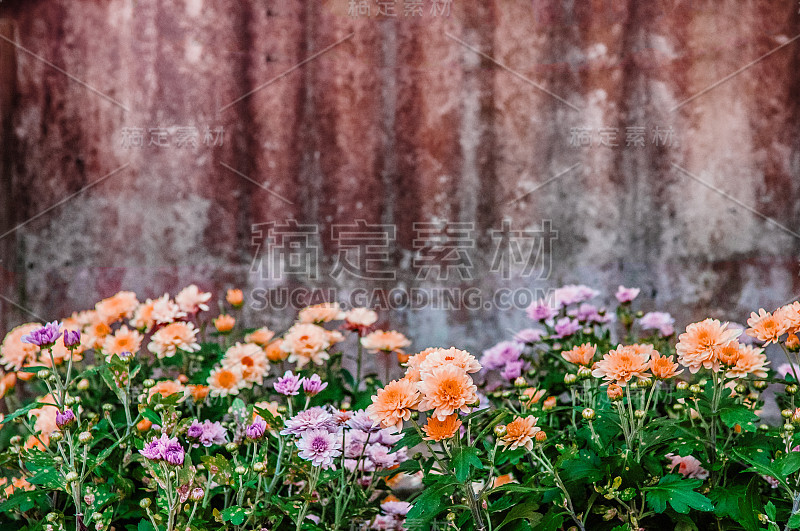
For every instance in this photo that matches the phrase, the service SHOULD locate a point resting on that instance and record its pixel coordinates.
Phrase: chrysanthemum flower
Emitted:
(143, 316)
(520, 433)
(226, 381)
(437, 430)
(700, 345)
(393, 404)
(306, 343)
(360, 318)
(275, 352)
(224, 323)
(321, 313)
(199, 392)
(580, 355)
(751, 361)
(767, 327)
(661, 321)
(192, 300)
(625, 295)
(320, 447)
(445, 390)
(791, 316)
(260, 337)
(449, 356)
(314, 418)
(688, 466)
(166, 388)
(165, 342)
(14, 354)
(123, 340)
(385, 341)
(250, 359)
(622, 364)
(235, 297)
(117, 307)
(663, 367)
(166, 311)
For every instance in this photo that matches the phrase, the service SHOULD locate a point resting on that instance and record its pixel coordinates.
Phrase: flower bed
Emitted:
(151, 415)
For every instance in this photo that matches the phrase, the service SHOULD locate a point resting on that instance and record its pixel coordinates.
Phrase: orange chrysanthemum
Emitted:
(385, 341)
(250, 358)
(235, 297)
(321, 313)
(751, 361)
(119, 306)
(580, 355)
(663, 367)
(274, 351)
(199, 392)
(123, 340)
(700, 345)
(224, 323)
(445, 390)
(767, 327)
(14, 354)
(622, 364)
(533, 395)
(224, 382)
(261, 337)
(305, 342)
(173, 337)
(439, 357)
(95, 333)
(437, 430)
(143, 316)
(791, 316)
(166, 388)
(393, 404)
(520, 433)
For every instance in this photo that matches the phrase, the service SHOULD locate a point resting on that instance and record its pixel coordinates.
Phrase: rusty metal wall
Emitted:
(329, 117)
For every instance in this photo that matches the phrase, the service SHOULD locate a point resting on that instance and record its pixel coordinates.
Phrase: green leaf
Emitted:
(21, 411)
(145, 525)
(787, 465)
(726, 500)
(585, 466)
(428, 504)
(465, 457)
(794, 521)
(740, 415)
(234, 515)
(679, 493)
(749, 506)
(525, 511)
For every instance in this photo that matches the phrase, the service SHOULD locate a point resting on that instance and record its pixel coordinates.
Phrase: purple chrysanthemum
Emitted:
(315, 418)
(398, 508)
(213, 433)
(173, 452)
(513, 369)
(288, 384)
(529, 335)
(661, 321)
(195, 430)
(46, 335)
(72, 338)
(573, 294)
(320, 447)
(566, 327)
(541, 310)
(257, 429)
(154, 450)
(500, 354)
(625, 295)
(314, 385)
(361, 421)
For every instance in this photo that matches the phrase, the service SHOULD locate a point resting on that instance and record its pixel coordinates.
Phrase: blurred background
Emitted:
(455, 150)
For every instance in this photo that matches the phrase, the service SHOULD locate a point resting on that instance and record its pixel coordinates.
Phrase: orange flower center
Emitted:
(226, 379)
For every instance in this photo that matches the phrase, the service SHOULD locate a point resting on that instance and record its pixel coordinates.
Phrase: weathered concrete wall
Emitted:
(401, 122)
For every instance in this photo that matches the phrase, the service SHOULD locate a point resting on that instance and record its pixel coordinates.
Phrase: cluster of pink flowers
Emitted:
(206, 433)
(393, 517)
(505, 357)
(164, 449)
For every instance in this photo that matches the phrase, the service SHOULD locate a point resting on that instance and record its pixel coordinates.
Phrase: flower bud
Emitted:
(506, 394)
(231, 447)
(240, 470)
(645, 382)
(677, 406)
(89, 499)
(570, 379)
(148, 383)
(52, 517)
(588, 414)
(108, 408)
(791, 389)
(614, 392)
(83, 384)
(65, 419)
(740, 388)
(584, 373)
(788, 428)
(760, 384)
(786, 413)
(144, 503)
(417, 456)
(85, 437)
(71, 477)
(540, 437)
(520, 382)
(682, 385)
(763, 427)
(16, 440)
(97, 517)
(346, 406)
(451, 517)
(197, 494)
(258, 467)
(639, 414)
(695, 389)
(56, 436)
(500, 430)
(43, 374)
